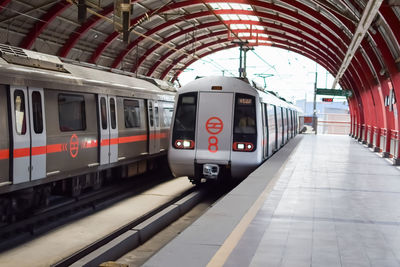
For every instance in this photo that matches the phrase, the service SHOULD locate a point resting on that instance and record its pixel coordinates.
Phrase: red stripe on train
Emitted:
(22, 152)
(4, 154)
(39, 150)
(55, 148)
(129, 139)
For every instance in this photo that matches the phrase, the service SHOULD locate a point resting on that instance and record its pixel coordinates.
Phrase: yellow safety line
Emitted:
(233, 239)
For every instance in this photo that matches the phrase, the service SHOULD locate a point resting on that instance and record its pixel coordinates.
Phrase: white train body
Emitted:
(224, 127)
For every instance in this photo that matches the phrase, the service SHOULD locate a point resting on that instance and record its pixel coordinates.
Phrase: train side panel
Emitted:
(72, 132)
(4, 137)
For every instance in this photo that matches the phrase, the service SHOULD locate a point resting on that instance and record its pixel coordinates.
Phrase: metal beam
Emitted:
(367, 17)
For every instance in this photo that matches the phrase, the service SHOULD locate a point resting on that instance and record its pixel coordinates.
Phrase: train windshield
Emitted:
(185, 118)
(245, 115)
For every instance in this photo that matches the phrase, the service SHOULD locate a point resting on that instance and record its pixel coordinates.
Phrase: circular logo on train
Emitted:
(214, 125)
(74, 146)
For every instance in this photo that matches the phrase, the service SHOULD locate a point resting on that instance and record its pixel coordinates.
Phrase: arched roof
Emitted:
(168, 35)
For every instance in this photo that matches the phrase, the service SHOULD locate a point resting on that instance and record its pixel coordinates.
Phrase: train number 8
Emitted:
(213, 144)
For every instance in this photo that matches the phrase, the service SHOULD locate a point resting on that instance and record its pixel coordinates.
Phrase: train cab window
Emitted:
(157, 116)
(186, 113)
(245, 115)
(103, 111)
(132, 113)
(20, 115)
(113, 114)
(37, 114)
(71, 112)
(185, 121)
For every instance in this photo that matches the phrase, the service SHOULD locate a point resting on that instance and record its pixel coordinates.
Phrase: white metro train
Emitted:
(226, 127)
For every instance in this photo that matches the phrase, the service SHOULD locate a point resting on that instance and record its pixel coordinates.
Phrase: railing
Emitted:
(382, 145)
(394, 142)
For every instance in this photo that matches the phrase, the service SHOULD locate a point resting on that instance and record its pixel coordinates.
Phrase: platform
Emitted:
(332, 203)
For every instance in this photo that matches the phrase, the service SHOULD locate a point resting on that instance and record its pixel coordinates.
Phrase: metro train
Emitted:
(225, 127)
(65, 127)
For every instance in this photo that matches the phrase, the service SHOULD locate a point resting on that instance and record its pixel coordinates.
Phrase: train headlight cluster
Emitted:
(184, 144)
(243, 146)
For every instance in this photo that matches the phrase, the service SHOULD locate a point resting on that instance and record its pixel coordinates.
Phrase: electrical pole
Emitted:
(315, 118)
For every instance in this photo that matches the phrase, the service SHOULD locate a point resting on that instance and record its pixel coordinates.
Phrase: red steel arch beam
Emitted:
(312, 44)
(392, 82)
(77, 34)
(204, 55)
(311, 54)
(45, 20)
(318, 28)
(269, 26)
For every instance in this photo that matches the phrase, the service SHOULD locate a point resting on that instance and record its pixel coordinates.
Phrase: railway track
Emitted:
(63, 209)
(137, 232)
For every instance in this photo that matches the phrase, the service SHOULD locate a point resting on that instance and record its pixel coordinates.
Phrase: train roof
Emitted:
(28, 68)
(232, 84)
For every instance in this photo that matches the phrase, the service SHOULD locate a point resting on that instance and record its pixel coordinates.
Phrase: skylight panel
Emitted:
(238, 26)
(225, 6)
(225, 17)
(233, 17)
(258, 27)
(244, 34)
(215, 6)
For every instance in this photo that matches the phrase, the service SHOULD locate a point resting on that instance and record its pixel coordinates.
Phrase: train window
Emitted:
(113, 114)
(186, 113)
(167, 116)
(157, 116)
(20, 115)
(245, 115)
(71, 112)
(37, 114)
(151, 116)
(132, 113)
(103, 111)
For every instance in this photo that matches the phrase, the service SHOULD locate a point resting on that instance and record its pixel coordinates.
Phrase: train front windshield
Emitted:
(244, 130)
(185, 122)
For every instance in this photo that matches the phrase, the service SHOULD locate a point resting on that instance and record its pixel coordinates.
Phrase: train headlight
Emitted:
(243, 146)
(184, 144)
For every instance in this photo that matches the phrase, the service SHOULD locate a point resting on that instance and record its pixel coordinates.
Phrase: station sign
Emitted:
(334, 92)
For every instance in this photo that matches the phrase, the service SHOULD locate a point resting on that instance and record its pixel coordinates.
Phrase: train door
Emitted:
(108, 129)
(214, 127)
(265, 130)
(283, 114)
(154, 126)
(29, 133)
(4, 138)
(278, 118)
(271, 129)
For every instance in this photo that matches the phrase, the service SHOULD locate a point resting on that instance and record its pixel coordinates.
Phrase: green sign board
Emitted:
(333, 92)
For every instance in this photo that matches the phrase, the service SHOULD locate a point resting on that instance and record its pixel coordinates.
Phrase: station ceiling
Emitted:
(165, 36)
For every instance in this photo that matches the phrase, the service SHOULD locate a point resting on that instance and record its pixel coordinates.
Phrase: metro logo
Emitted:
(214, 126)
(74, 146)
